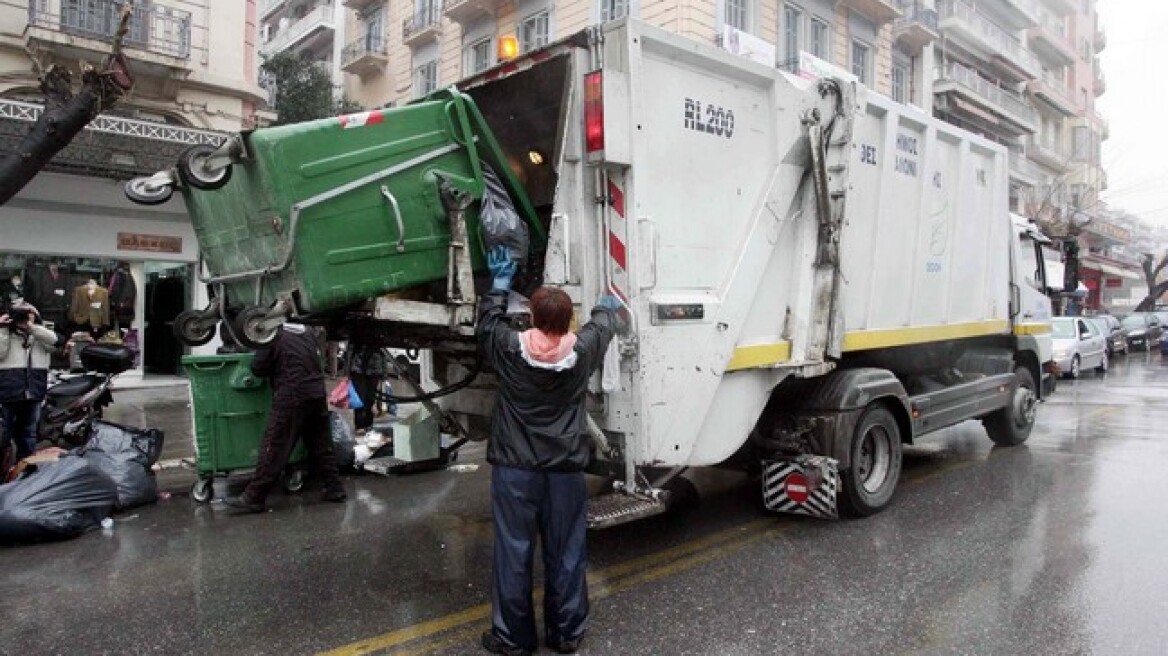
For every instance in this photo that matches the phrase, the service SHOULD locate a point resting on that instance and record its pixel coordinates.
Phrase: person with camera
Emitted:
(25, 348)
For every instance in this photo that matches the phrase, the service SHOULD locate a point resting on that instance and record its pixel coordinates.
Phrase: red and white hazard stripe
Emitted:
(618, 251)
(374, 117)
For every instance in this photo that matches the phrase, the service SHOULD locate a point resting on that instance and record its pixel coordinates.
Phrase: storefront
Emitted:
(94, 263)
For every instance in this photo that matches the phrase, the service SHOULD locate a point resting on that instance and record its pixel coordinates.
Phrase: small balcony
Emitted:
(162, 34)
(1100, 40)
(316, 26)
(917, 27)
(1053, 92)
(269, 7)
(1061, 7)
(1017, 14)
(1023, 170)
(1049, 40)
(424, 26)
(360, 5)
(467, 11)
(365, 56)
(960, 90)
(1100, 85)
(878, 11)
(1049, 154)
(978, 34)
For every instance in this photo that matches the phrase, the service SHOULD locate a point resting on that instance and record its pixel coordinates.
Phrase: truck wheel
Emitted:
(191, 329)
(868, 484)
(1010, 426)
(192, 168)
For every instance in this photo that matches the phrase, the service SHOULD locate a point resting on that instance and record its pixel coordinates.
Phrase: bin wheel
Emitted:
(192, 168)
(294, 481)
(250, 328)
(144, 191)
(192, 329)
(203, 490)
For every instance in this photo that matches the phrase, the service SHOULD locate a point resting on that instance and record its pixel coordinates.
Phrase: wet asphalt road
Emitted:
(1055, 547)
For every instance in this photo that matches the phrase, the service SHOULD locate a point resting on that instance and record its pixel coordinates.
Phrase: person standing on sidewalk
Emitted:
(25, 349)
(367, 369)
(538, 449)
(299, 411)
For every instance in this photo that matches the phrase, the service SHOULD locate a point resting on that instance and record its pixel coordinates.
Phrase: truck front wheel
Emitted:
(868, 484)
(1011, 425)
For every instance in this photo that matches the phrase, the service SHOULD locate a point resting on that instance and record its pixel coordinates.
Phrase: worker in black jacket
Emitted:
(299, 411)
(539, 447)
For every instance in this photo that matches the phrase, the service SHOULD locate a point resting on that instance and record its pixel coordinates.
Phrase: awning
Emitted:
(1114, 271)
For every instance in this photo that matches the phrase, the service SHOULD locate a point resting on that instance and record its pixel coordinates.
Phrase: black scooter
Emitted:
(74, 402)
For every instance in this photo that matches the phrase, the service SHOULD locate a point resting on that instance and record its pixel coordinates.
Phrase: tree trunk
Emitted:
(1155, 289)
(66, 114)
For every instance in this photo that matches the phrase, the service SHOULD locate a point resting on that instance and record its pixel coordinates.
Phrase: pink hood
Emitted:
(548, 351)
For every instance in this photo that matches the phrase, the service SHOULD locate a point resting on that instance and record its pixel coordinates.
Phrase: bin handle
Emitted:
(233, 415)
(208, 366)
(401, 224)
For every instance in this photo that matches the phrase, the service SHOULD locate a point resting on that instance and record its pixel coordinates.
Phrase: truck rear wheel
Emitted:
(1010, 426)
(870, 480)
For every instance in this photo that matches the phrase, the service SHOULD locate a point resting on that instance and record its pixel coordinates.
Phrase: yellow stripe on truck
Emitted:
(1032, 329)
(769, 355)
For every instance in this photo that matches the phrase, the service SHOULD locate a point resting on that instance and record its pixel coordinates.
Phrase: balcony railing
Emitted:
(1023, 169)
(366, 54)
(269, 6)
(988, 91)
(160, 30)
(996, 40)
(917, 25)
(320, 18)
(424, 23)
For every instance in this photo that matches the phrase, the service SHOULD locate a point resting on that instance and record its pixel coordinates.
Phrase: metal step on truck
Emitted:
(815, 275)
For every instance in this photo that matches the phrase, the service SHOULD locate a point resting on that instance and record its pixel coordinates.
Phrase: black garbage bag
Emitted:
(125, 454)
(501, 224)
(343, 441)
(58, 501)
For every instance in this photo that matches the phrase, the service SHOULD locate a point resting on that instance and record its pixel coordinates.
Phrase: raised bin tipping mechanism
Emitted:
(317, 216)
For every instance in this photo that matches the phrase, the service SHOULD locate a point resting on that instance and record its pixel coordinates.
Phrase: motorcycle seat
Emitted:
(75, 386)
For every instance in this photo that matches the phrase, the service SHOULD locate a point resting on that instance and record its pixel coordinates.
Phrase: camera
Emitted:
(19, 316)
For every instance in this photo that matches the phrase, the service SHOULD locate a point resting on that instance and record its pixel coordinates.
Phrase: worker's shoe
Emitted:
(241, 506)
(496, 645)
(334, 495)
(564, 646)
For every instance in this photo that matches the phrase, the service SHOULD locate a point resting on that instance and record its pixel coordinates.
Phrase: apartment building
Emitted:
(195, 80)
(313, 28)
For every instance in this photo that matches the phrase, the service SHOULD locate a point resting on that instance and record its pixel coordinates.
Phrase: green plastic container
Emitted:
(325, 197)
(230, 408)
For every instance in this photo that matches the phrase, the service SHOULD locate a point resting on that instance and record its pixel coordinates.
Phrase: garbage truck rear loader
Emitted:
(811, 269)
(814, 274)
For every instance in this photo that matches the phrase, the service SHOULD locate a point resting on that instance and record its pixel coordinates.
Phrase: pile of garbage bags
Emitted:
(63, 494)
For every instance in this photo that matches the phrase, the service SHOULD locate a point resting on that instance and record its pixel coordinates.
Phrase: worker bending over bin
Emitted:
(292, 362)
(539, 447)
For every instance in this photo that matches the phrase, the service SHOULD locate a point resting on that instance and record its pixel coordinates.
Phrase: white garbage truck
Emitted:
(814, 275)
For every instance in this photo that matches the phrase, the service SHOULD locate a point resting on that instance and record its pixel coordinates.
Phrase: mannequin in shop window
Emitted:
(122, 294)
(90, 310)
(49, 291)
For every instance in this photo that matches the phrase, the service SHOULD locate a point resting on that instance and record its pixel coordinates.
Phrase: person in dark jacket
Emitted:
(25, 349)
(367, 369)
(538, 449)
(299, 411)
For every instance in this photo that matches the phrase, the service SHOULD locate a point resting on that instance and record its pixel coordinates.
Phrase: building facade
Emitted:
(312, 28)
(195, 69)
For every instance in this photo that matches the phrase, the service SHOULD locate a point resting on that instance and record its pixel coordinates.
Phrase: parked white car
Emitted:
(1078, 344)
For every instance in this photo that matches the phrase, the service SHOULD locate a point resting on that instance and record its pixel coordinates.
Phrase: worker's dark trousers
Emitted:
(307, 421)
(554, 506)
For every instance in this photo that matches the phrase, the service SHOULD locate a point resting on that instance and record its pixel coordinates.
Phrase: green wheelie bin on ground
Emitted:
(328, 213)
(229, 407)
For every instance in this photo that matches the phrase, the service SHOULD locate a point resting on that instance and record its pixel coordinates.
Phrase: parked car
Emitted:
(1114, 331)
(1143, 330)
(1078, 344)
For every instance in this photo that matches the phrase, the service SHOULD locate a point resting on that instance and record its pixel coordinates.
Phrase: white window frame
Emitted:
(861, 69)
(792, 35)
(745, 8)
(527, 45)
(373, 29)
(425, 78)
(823, 53)
(903, 84)
(468, 63)
(610, 10)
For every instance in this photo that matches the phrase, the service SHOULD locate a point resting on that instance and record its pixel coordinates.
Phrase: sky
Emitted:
(1136, 107)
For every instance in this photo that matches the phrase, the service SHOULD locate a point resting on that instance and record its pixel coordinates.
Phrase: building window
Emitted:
(861, 61)
(738, 14)
(819, 39)
(374, 28)
(900, 83)
(613, 9)
(791, 28)
(534, 31)
(478, 56)
(425, 78)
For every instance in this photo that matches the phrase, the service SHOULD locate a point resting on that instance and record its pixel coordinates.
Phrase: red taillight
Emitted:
(593, 112)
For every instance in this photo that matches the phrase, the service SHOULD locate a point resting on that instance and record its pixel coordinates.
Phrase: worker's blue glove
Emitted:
(609, 302)
(502, 267)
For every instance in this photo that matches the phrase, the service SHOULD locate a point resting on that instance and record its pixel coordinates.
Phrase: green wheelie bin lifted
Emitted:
(316, 216)
(229, 407)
